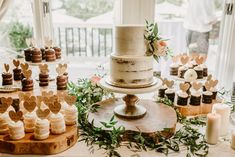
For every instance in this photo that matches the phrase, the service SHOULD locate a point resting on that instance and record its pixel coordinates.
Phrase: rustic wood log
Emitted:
(28, 145)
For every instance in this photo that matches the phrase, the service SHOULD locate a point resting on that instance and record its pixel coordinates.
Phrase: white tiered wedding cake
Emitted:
(129, 65)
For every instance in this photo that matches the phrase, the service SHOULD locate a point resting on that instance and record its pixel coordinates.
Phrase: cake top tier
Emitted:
(129, 40)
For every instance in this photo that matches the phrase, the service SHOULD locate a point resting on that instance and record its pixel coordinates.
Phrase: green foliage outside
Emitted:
(18, 33)
(85, 9)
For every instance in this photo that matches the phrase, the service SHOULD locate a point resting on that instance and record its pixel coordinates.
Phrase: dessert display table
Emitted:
(53, 145)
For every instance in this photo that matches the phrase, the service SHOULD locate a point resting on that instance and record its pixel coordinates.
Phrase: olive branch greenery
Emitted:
(110, 138)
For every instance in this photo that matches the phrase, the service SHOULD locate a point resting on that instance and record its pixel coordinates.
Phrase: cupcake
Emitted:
(57, 123)
(205, 70)
(199, 72)
(174, 67)
(207, 97)
(42, 129)
(71, 115)
(214, 93)
(182, 98)
(29, 121)
(28, 54)
(4, 120)
(170, 94)
(182, 71)
(161, 91)
(195, 98)
(16, 130)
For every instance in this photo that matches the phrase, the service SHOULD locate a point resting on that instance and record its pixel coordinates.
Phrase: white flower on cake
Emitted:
(190, 75)
(156, 46)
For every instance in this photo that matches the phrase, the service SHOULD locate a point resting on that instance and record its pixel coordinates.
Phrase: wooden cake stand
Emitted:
(131, 108)
(135, 115)
(28, 145)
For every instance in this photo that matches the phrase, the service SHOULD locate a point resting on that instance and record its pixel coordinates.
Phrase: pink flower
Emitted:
(95, 79)
(160, 48)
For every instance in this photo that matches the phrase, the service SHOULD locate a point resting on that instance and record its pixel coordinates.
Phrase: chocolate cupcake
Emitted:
(43, 53)
(205, 70)
(170, 94)
(27, 84)
(57, 52)
(214, 93)
(7, 78)
(182, 71)
(195, 99)
(61, 82)
(199, 72)
(50, 55)
(182, 98)
(43, 79)
(207, 97)
(36, 55)
(28, 54)
(174, 67)
(161, 91)
(17, 74)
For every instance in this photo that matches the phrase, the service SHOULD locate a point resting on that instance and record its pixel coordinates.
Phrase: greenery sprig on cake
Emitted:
(88, 93)
(156, 45)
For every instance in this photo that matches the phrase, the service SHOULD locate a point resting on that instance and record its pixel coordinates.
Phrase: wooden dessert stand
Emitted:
(28, 145)
(135, 115)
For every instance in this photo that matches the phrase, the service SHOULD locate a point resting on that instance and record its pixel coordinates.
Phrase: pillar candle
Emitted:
(212, 128)
(233, 140)
(224, 111)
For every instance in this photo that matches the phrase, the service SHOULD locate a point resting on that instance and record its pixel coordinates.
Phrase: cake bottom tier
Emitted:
(131, 71)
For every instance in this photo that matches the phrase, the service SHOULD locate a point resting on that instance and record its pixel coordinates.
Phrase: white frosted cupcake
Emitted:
(71, 115)
(16, 130)
(42, 129)
(4, 120)
(57, 123)
(29, 121)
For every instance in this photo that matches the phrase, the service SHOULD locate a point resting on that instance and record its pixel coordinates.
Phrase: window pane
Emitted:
(83, 27)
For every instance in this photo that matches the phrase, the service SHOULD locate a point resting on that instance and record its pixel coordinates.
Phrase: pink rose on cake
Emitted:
(161, 48)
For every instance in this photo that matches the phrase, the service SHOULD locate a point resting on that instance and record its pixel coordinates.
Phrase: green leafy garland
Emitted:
(89, 93)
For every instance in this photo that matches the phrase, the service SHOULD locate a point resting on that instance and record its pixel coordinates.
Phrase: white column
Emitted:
(225, 64)
(42, 21)
(134, 11)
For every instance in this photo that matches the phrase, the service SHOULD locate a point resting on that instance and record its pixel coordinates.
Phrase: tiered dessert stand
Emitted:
(135, 114)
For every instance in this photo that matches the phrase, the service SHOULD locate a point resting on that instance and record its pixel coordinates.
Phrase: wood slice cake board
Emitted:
(157, 118)
(190, 110)
(53, 145)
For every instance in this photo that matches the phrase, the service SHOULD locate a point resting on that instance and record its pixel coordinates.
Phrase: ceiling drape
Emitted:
(4, 5)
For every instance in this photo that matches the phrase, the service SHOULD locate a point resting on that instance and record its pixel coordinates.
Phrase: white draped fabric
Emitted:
(225, 64)
(42, 21)
(4, 4)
